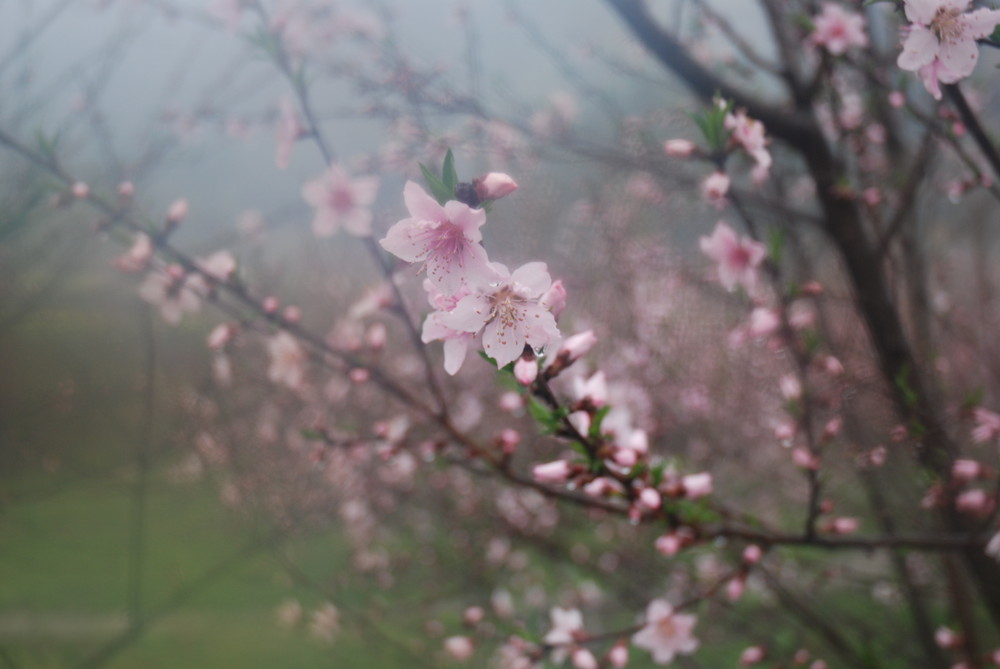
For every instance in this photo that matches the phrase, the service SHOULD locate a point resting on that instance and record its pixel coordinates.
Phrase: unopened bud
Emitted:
(494, 186)
(679, 148)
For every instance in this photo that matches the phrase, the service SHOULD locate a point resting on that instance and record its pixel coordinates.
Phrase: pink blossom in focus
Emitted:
(738, 259)
(508, 313)
(287, 361)
(838, 30)
(941, 42)
(446, 239)
(340, 201)
(666, 633)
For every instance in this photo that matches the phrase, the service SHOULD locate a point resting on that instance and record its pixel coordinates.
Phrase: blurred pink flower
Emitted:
(987, 425)
(445, 238)
(666, 633)
(288, 131)
(838, 30)
(287, 361)
(714, 188)
(738, 259)
(174, 292)
(341, 201)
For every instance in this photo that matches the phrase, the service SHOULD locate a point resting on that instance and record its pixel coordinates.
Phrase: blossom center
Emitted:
(947, 25)
(341, 199)
(666, 626)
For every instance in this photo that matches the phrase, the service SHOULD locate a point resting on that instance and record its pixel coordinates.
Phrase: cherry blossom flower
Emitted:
(666, 633)
(566, 625)
(749, 134)
(987, 425)
(507, 311)
(838, 30)
(456, 342)
(715, 187)
(459, 647)
(341, 201)
(446, 239)
(941, 42)
(174, 291)
(287, 361)
(325, 622)
(137, 257)
(738, 259)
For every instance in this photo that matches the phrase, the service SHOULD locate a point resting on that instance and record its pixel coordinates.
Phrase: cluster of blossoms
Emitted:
(474, 299)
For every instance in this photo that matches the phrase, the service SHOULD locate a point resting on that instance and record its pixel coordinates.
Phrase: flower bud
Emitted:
(697, 485)
(494, 186)
(679, 148)
(177, 212)
(557, 471)
(752, 655)
(554, 299)
(526, 370)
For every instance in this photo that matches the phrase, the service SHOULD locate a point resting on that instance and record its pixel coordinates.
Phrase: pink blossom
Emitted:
(593, 389)
(177, 211)
(220, 336)
(287, 361)
(752, 655)
(669, 544)
(507, 312)
(749, 134)
(697, 485)
(288, 131)
(460, 648)
(494, 186)
(557, 471)
(580, 420)
(987, 425)
(576, 346)
(715, 187)
(341, 201)
(567, 624)
(993, 548)
(526, 370)
(174, 292)
(752, 554)
(843, 525)
(554, 299)
(618, 656)
(735, 588)
(838, 30)
(137, 257)
(666, 633)
(220, 265)
(941, 43)
(445, 238)
(650, 499)
(679, 148)
(763, 322)
(80, 190)
(975, 501)
(738, 259)
(965, 471)
(126, 189)
(584, 659)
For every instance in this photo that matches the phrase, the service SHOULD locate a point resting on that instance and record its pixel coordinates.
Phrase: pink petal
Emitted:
(534, 276)
(959, 58)
(467, 219)
(919, 49)
(420, 204)
(454, 353)
(405, 239)
(921, 11)
(469, 315)
(504, 345)
(980, 23)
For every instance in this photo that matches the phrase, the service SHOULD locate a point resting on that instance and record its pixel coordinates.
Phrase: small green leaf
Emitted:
(974, 398)
(438, 188)
(995, 37)
(595, 423)
(775, 244)
(448, 173)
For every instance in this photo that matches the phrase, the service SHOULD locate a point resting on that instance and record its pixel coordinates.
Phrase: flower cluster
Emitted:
(474, 298)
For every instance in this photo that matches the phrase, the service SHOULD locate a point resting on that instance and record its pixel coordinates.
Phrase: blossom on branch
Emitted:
(738, 259)
(941, 41)
(340, 201)
(666, 633)
(837, 29)
(446, 239)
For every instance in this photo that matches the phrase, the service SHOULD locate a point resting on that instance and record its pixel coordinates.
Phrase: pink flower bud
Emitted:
(669, 544)
(577, 346)
(293, 314)
(650, 498)
(763, 322)
(735, 588)
(580, 420)
(270, 304)
(946, 638)
(679, 148)
(126, 189)
(791, 389)
(584, 659)
(508, 439)
(178, 211)
(359, 375)
(752, 554)
(832, 428)
(804, 459)
(897, 99)
(554, 299)
(80, 190)
(697, 485)
(473, 615)
(510, 402)
(526, 370)
(715, 187)
(220, 336)
(801, 656)
(459, 647)
(618, 656)
(843, 525)
(494, 186)
(752, 655)
(557, 471)
(818, 664)
(976, 501)
(965, 471)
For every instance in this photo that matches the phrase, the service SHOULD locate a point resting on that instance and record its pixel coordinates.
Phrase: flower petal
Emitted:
(919, 49)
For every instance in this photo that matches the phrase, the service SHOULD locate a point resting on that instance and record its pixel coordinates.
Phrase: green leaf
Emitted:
(995, 37)
(974, 398)
(311, 434)
(595, 423)
(904, 386)
(775, 244)
(448, 173)
(437, 187)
